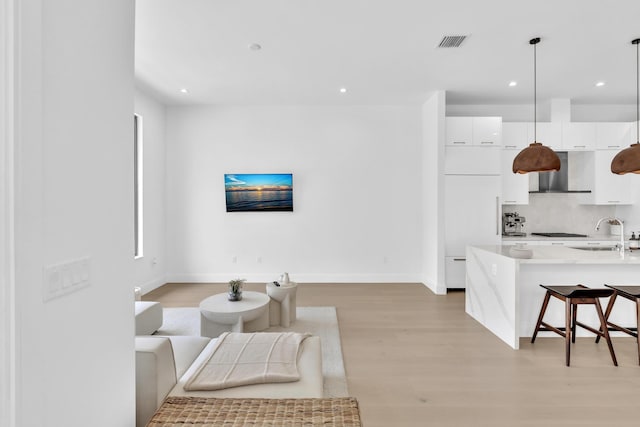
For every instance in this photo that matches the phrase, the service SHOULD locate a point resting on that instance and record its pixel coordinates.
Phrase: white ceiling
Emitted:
(384, 51)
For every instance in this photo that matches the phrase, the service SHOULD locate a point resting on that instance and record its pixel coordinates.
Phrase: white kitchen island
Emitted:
(503, 293)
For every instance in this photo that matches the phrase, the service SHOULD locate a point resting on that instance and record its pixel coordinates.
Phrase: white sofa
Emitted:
(163, 365)
(148, 317)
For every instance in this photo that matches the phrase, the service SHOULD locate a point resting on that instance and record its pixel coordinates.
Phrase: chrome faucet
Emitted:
(619, 221)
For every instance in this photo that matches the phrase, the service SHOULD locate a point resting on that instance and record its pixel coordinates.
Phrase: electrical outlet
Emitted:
(494, 269)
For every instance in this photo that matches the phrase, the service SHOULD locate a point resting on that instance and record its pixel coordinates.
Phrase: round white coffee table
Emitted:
(218, 314)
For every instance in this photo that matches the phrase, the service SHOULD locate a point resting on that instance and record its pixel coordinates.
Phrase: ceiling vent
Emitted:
(451, 41)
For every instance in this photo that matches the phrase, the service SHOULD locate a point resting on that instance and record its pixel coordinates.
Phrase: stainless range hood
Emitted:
(557, 181)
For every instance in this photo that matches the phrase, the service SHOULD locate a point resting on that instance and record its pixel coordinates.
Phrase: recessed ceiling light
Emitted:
(255, 46)
(184, 90)
(599, 84)
(343, 90)
(512, 84)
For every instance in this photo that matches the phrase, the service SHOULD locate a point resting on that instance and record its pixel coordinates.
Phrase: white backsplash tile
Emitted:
(561, 212)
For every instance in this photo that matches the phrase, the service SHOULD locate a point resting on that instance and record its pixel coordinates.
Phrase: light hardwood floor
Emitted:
(416, 359)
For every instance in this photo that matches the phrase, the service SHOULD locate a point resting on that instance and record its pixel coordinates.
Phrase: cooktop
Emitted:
(559, 234)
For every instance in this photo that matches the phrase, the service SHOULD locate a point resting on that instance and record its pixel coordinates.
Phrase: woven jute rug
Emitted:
(201, 411)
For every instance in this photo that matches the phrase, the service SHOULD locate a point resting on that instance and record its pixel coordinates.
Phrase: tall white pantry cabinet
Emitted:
(472, 186)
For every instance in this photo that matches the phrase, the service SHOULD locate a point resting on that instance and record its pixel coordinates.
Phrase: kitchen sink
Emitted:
(595, 248)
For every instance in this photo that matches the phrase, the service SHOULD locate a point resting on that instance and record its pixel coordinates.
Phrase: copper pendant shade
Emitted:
(536, 157)
(628, 160)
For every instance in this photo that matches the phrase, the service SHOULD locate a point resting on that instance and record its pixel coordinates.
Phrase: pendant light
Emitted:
(628, 160)
(536, 157)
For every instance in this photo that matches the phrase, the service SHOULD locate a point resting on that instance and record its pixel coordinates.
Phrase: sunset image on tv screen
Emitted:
(259, 192)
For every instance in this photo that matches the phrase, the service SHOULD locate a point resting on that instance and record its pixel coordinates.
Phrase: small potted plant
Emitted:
(235, 289)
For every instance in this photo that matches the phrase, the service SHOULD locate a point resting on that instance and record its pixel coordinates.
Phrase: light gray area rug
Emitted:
(320, 321)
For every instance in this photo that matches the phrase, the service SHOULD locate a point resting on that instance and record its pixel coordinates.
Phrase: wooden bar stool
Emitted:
(572, 297)
(631, 293)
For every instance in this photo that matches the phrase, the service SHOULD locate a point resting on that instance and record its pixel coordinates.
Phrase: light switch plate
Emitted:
(65, 278)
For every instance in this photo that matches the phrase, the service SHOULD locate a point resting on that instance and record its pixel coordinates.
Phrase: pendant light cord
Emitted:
(637, 91)
(535, 96)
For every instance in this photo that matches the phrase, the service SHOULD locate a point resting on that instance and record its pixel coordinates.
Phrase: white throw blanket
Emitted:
(249, 358)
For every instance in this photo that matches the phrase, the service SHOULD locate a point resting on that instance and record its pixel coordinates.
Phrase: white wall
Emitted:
(357, 201)
(433, 124)
(150, 269)
(7, 283)
(75, 355)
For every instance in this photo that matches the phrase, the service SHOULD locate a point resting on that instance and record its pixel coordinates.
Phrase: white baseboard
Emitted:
(152, 284)
(297, 277)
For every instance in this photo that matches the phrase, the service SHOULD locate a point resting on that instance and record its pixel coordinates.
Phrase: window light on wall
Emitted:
(137, 187)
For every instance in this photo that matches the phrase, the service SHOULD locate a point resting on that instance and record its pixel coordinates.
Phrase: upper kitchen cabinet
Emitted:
(578, 136)
(606, 187)
(547, 133)
(459, 131)
(478, 131)
(515, 136)
(487, 131)
(614, 136)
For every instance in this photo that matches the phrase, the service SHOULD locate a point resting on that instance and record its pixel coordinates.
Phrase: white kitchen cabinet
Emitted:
(455, 272)
(472, 160)
(510, 242)
(578, 136)
(515, 186)
(569, 243)
(633, 134)
(607, 188)
(487, 131)
(547, 133)
(472, 215)
(614, 136)
(515, 135)
(459, 131)
(479, 131)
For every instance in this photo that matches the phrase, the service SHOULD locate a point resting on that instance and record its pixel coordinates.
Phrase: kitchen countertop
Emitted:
(566, 255)
(600, 238)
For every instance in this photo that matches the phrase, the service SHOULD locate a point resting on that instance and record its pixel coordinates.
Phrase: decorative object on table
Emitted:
(536, 157)
(628, 160)
(284, 279)
(259, 192)
(235, 289)
(519, 251)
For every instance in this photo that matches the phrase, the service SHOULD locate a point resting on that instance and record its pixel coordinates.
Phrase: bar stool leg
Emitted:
(607, 312)
(638, 326)
(547, 295)
(567, 335)
(574, 315)
(605, 330)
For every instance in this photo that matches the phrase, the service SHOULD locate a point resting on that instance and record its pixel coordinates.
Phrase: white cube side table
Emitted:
(218, 314)
(282, 308)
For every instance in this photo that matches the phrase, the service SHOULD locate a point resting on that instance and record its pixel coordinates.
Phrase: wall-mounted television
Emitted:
(259, 192)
